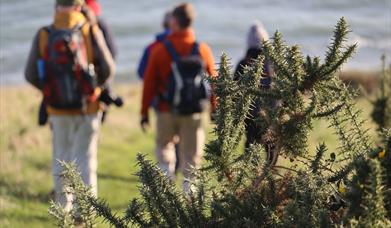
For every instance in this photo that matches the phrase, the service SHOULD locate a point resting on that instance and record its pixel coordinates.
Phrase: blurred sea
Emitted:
(223, 24)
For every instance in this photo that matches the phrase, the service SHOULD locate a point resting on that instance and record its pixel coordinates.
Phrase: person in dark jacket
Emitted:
(158, 39)
(96, 9)
(256, 36)
(92, 11)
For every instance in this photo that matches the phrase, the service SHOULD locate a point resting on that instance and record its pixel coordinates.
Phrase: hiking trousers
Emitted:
(189, 131)
(75, 140)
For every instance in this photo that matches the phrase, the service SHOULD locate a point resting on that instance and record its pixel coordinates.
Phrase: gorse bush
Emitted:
(349, 187)
(381, 113)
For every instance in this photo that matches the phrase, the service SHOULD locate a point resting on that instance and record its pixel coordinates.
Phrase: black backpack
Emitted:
(187, 90)
(68, 81)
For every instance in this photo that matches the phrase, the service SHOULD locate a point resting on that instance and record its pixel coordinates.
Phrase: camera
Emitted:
(109, 98)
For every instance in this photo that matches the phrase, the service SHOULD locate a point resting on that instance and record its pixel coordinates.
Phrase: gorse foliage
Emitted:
(86, 207)
(382, 104)
(247, 189)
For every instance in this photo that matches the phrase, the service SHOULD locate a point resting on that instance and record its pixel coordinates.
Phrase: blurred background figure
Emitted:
(92, 11)
(71, 47)
(95, 8)
(158, 38)
(255, 38)
(256, 35)
(173, 74)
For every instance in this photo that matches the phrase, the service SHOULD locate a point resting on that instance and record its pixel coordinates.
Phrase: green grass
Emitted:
(25, 178)
(25, 149)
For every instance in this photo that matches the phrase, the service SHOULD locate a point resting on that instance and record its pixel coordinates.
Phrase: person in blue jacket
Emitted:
(159, 38)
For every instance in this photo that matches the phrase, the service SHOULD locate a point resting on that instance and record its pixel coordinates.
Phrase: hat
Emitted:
(69, 2)
(256, 35)
(94, 6)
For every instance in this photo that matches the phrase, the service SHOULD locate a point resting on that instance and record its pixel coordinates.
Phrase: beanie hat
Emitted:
(94, 6)
(69, 2)
(256, 35)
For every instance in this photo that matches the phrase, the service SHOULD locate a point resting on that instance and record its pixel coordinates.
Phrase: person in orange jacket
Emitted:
(164, 66)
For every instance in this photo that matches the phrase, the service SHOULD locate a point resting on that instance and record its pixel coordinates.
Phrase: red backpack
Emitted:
(69, 83)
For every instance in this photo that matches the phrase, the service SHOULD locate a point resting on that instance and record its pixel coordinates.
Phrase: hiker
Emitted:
(255, 37)
(62, 65)
(92, 11)
(143, 64)
(174, 75)
(158, 39)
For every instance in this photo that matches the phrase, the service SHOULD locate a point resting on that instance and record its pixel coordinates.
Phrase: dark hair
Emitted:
(253, 53)
(184, 14)
(166, 19)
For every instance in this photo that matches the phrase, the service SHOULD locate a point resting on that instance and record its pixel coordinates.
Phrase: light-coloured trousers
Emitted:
(189, 131)
(75, 139)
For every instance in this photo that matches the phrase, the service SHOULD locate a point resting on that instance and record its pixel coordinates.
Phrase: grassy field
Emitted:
(25, 149)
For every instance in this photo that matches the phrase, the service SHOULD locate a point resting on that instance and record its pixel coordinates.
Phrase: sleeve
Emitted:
(31, 70)
(207, 55)
(143, 63)
(239, 69)
(108, 36)
(104, 62)
(209, 60)
(267, 74)
(268, 68)
(150, 85)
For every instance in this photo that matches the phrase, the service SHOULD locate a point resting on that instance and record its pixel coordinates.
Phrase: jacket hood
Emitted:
(162, 36)
(66, 20)
(186, 35)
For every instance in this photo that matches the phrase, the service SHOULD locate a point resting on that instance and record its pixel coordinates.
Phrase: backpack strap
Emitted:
(196, 48)
(43, 40)
(78, 26)
(48, 28)
(171, 50)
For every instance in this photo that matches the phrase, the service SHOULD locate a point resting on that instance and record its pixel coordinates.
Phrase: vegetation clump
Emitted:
(321, 188)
